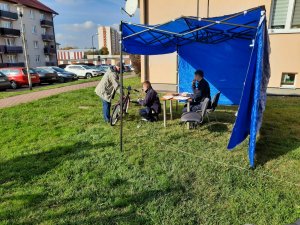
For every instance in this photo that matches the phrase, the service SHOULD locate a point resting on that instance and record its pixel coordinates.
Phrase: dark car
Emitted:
(63, 75)
(63, 65)
(4, 82)
(47, 76)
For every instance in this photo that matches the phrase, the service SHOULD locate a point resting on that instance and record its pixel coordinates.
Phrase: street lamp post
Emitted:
(94, 46)
(20, 10)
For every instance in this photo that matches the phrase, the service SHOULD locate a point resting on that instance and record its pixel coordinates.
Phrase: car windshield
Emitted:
(40, 70)
(31, 71)
(57, 69)
(87, 67)
(2, 74)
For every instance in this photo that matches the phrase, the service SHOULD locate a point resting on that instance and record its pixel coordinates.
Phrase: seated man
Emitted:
(152, 103)
(201, 91)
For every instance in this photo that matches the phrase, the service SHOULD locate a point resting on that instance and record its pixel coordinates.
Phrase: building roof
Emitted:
(34, 4)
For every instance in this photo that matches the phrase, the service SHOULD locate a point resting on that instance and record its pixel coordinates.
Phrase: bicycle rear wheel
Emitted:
(115, 115)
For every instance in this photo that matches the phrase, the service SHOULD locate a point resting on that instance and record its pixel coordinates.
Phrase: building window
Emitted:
(43, 31)
(11, 58)
(4, 6)
(285, 14)
(42, 16)
(34, 29)
(9, 41)
(6, 24)
(37, 58)
(31, 14)
(36, 44)
(47, 58)
(288, 80)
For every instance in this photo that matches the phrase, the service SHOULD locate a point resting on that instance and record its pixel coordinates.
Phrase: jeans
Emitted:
(147, 114)
(106, 110)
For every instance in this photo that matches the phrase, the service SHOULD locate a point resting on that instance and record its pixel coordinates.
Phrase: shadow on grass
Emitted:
(25, 168)
(127, 209)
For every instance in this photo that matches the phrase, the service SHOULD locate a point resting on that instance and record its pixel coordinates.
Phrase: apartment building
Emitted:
(109, 37)
(284, 31)
(38, 30)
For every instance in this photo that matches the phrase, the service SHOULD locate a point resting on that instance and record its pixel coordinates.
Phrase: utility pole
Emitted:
(20, 10)
(93, 45)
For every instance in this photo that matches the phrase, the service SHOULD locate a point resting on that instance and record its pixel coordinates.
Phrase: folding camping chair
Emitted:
(214, 105)
(196, 118)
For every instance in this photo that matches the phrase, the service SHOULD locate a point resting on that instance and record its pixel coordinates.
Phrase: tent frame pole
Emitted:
(121, 86)
(155, 28)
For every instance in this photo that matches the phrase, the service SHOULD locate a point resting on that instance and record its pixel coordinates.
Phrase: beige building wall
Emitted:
(31, 18)
(285, 48)
(109, 37)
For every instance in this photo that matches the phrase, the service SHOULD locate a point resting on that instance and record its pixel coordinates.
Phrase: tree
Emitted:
(104, 51)
(136, 63)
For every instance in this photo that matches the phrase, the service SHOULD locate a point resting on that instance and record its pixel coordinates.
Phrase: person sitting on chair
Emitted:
(152, 103)
(201, 91)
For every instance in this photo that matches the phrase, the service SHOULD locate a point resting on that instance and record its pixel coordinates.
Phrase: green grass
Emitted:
(60, 164)
(25, 90)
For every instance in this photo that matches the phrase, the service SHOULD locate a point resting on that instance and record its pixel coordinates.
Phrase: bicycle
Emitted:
(116, 112)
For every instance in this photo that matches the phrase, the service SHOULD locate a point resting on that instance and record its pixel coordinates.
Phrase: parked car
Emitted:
(17, 76)
(129, 68)
(83, 71)
(63, 66)
(4, 82)
(47, 76)
(63, 76)
(105, 68)
(100, 68)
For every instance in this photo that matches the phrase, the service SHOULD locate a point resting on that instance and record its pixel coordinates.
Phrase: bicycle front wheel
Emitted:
(115, 115)
(126, 105)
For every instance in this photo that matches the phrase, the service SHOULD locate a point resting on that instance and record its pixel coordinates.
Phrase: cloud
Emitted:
(78, 27)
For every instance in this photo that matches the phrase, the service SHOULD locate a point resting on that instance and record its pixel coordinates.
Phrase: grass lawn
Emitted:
(60, 164)
(24, 90)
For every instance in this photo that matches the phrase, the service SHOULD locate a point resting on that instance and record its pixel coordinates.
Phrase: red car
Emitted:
(18, 76)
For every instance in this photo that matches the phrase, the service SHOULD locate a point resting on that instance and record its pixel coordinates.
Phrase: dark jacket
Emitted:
(201, 90)
(151, 100)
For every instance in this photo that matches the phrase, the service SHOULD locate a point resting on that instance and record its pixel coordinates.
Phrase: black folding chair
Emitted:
(214, 105)
(196, 118)
(212, 108)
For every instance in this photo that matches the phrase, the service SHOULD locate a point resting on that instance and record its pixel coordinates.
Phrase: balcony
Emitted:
(9, 32)
(47, 37)
(5, 49)
(20, 64)
(51, 64)
(8, 15)
(49, 51)
(46, 23)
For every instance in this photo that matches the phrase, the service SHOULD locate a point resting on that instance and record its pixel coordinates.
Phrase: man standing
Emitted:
(107, 88)
(201, 91)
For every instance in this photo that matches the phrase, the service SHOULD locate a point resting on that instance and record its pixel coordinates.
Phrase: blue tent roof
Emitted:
(233, 52)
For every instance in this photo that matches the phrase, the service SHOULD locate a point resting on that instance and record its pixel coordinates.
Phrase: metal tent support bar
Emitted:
(213, 22)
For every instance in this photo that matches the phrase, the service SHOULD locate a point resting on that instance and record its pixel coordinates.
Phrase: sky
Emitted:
(78, 19)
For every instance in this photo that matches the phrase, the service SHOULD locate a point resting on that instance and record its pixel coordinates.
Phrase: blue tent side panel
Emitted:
(254, 95)
(224, 65)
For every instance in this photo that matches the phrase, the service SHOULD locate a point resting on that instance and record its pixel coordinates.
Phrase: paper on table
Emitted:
(168, 97)
(180, 98)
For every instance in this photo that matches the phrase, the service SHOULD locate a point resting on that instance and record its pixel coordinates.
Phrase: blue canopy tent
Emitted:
(233, 52)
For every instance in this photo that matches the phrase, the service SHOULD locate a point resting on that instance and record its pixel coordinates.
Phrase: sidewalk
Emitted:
(25, 98)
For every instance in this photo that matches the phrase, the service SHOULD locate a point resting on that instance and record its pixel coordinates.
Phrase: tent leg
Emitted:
(121, 88)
